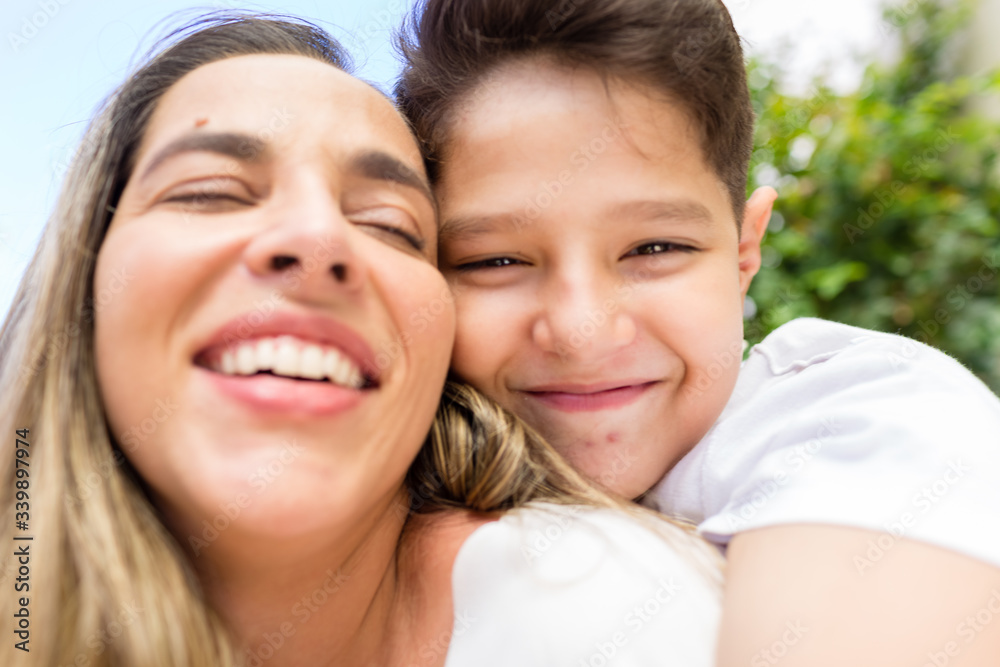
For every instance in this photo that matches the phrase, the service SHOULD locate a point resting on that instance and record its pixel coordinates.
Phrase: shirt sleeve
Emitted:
(881, 433)
(550, 586)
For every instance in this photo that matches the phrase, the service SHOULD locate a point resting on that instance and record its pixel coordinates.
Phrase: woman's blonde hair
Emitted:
(108, 585)
(482, 457)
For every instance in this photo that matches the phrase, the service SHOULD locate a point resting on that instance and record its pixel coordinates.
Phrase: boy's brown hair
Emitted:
(687, 49)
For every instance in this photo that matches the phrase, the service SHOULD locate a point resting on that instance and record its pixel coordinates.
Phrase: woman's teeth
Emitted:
(290, 357)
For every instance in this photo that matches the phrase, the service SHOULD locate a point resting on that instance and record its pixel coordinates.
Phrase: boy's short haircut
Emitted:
(688, 49)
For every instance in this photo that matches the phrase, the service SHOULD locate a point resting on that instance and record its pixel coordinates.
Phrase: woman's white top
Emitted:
(831, 424)
(547, 586)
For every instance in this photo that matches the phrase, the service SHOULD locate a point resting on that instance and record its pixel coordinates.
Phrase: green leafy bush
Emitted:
(890, 198)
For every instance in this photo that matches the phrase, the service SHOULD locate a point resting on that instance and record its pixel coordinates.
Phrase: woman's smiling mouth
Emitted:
(291, 363)
(286, 356)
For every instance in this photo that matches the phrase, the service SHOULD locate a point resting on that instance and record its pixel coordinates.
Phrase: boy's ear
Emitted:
(755, 220)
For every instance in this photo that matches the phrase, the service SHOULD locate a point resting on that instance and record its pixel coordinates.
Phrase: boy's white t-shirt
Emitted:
(551, 585)
(832, 424)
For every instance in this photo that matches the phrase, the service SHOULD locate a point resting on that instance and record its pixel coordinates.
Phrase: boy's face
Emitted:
(597, 268)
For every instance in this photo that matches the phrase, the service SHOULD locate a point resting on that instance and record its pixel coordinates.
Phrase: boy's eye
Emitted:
(659, 248)
(491, 263)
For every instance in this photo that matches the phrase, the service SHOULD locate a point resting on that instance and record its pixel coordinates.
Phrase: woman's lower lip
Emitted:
(599, 400)
(276, 394)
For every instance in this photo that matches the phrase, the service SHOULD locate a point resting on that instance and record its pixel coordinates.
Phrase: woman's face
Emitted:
(276, 348)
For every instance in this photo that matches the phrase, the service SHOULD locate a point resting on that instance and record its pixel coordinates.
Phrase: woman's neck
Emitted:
(369, 593)
(314, 600)
(426, 559)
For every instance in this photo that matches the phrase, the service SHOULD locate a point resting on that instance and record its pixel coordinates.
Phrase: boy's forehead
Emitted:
(524, 94)
(537, 126)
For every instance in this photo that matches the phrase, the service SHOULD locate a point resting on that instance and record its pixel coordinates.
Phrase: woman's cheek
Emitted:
(125, 320)
(482, 334)
(426, 316)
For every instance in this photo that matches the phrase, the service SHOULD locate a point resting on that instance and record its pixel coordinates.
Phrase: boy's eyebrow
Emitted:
(687, 210)
(462, 228)
(243, 147)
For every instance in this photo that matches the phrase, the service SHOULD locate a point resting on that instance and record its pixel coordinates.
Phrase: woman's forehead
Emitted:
(281, 99)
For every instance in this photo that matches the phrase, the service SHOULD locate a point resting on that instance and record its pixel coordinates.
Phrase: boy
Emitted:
(590, 159)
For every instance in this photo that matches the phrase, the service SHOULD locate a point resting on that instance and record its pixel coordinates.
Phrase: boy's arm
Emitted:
(825, 596)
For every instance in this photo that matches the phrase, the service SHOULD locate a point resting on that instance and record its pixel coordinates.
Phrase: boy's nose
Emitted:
(583, 323)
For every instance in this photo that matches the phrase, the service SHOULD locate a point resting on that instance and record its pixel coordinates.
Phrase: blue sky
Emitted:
(60, 58)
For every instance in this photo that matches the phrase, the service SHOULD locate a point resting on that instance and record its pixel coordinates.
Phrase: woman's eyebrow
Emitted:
(378, 165)
(375, 165)
(243, 147)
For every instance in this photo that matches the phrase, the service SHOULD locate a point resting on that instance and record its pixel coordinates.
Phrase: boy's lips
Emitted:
(589, 398)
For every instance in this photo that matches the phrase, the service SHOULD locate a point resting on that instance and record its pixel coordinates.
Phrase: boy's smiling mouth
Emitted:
(588, 398)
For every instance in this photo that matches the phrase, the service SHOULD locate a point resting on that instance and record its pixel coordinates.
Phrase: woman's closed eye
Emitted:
(211, 196)
(392, 225)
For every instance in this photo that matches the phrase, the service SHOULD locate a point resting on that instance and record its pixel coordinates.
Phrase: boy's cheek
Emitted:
(709, 343)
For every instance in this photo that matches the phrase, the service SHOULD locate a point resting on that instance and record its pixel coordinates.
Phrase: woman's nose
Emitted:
(309, 246)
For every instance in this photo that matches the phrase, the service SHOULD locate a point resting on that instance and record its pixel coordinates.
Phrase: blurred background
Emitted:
(889, 209)
(879, 124)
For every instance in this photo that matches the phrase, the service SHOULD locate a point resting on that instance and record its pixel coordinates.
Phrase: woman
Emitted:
(221, 379)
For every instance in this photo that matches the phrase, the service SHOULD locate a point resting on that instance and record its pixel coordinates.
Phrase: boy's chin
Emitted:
(626, 464)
